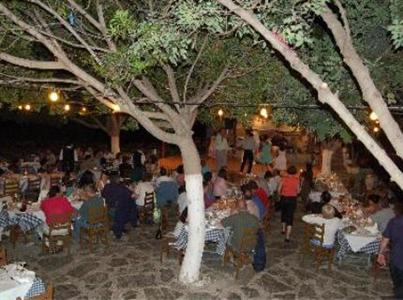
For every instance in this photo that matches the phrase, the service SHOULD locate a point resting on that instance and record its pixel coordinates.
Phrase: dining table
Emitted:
(18, 282)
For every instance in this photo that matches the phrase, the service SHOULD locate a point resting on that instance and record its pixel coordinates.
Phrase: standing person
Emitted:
(288, 190)
(393, 238)
(68, 157)
(249, 147)
(307, 184)
(221, 148)
(265, 152)
(280, 162)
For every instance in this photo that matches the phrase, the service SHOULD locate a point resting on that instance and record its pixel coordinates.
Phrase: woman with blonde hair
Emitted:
(332, 224)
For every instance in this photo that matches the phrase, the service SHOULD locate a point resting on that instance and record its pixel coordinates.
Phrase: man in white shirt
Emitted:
(221, 149)
(143, 187)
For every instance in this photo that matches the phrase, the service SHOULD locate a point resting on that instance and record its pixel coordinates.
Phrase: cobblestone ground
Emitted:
(132, 270)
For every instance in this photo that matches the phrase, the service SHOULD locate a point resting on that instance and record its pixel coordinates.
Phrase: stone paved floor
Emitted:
(132, 270)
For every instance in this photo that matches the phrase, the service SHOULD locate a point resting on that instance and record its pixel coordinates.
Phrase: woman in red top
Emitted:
(288, 189)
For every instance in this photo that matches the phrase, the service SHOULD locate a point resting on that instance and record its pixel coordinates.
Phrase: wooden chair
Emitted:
(34, 187)
(48, 295)
(313, 244)
(54, 181)
(243, 256)
(59, 231)
(3, 256)
(11, 188)
(16, 232)
(166, 247)
(97, 229)
(147, 211)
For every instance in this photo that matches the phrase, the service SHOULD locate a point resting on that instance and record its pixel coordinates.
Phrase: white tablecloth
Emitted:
(17, 287)
(357, 241)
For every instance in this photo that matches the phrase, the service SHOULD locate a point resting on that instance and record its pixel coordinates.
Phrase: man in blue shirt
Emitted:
(393, 237)
(120, 201)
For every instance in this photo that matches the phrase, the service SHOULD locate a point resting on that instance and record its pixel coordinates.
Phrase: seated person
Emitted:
(332, 224)
(121, 205)
(125, 168)
(163, 176)
(166, 191)
(238, 222)
(143, 187)
(250, 205)
(205, 167)
(182, 199)
(380, 215)
(86, 178)
(325, 198)
(91, 200)
(259, 192)
(220, 184)
(207, 196)
(56, 204)
(180, 176)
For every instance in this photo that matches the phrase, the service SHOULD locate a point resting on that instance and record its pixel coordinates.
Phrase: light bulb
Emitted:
(27, 107)
(67, 107)
(264, 113)
(20, 107)
(115, 108)
(220, 112)
(83, 109)
(376, 129)
(373, 116)
(53, 96)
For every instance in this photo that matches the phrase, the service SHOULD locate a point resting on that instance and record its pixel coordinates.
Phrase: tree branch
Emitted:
(52, 12)
(193, 66)
(173, 89)
(207, 92)
(85, 123)
(31, 64)
(343, 15)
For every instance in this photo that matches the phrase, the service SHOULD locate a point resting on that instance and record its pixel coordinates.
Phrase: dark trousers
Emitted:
(247, 158)
(122, 216)
(288, 206)
(397, 278)
(259, 258)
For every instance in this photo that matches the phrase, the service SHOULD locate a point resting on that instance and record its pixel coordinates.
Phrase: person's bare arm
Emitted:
(381, 260)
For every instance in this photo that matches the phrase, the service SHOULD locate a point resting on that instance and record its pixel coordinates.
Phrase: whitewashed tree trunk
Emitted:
(190, 269)
(326, 168)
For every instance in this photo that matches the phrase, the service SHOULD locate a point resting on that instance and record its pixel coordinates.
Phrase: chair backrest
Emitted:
(97, 215)
(314, 232)
(11, 188)
(60, 221)
(149, 200)
(54, 181)
(34, 184)
(3, 256)
(249, 239)
(48, 295)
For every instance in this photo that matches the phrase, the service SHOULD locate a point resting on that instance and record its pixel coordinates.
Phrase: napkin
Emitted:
(19, 273)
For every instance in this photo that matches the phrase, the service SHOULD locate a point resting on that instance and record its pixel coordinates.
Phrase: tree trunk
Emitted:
(113, 130)
(326, 168)
(325, 95)
(115, 143)
(190, 269)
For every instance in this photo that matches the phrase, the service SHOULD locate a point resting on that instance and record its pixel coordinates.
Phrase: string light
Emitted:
(27, 107)
(83, 109)
(376, 129)
(220, 113)
(20, 107)
(67, 107)
(373, 116)
(115, 108)
(54, 96)
(264, 113)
